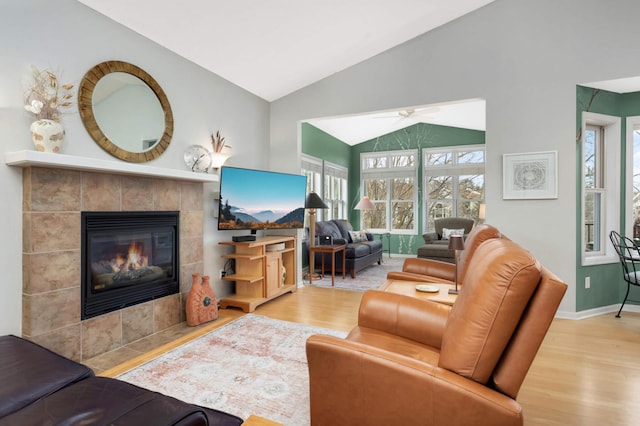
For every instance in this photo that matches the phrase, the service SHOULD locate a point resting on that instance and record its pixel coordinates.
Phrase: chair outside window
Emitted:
(629, 255)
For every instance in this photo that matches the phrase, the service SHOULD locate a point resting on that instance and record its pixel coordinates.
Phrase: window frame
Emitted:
(333, 172)
(455, 170)
(312, 165)
(387, 174)
(633, 124)
(609, 212)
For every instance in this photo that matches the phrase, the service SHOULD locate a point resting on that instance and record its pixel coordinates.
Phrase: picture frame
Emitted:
(530, 175)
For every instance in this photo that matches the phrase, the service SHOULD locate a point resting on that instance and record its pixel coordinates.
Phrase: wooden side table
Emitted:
(408, 288)
(333, 249)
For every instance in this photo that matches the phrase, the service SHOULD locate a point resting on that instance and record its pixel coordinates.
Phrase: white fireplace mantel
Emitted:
(28, 158)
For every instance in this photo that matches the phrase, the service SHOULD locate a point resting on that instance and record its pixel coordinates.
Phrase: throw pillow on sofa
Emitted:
(446, 232)
(358, 236)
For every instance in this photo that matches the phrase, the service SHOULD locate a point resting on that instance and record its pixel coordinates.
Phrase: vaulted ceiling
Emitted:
(272, 48)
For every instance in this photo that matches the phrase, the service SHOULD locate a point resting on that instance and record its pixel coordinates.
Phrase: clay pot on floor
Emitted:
(202, 305)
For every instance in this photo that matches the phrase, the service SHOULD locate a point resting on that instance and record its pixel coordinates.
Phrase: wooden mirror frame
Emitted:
(85, 106)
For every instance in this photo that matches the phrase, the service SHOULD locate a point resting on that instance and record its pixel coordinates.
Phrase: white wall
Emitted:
(70, 38)
(525, 58)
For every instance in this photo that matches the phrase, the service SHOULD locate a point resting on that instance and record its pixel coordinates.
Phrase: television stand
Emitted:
(260, 275)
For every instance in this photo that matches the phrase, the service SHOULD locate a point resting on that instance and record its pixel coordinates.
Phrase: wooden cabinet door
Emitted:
(274, 272)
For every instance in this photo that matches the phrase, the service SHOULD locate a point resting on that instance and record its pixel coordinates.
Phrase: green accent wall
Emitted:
(322, 145)
(319, 144)
(607, 286)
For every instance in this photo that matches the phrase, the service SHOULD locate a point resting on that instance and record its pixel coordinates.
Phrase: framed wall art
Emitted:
(531, 175)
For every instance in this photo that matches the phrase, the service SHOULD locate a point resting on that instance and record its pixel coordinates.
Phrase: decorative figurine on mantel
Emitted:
(202, 305)
(46, 99)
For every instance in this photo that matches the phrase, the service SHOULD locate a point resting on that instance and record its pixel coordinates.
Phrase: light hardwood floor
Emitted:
(586, 373)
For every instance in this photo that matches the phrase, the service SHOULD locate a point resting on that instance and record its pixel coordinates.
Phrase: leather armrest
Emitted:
(340, 241)
(430, 237)
(416, 319)
(430, 267)
(345, 374)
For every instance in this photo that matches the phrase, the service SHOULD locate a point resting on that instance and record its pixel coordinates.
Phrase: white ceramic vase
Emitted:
(47, 135)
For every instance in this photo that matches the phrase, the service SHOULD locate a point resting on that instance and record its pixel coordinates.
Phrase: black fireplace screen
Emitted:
(127, 258)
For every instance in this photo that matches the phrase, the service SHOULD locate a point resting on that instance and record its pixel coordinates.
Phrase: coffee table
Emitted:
(330, 248)
(408, 288)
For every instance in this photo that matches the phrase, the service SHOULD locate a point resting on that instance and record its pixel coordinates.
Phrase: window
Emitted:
(594, 189)
(600, 167)
(329, 181)
(312, 168)
(633, 177)
(389, 180)
(335, 191)
(453, 182)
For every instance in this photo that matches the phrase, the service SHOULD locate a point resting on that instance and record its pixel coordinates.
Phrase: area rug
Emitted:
(252, 365)
(371, 277)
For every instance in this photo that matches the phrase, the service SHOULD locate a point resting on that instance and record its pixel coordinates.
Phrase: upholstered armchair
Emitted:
(436, 242)
(430, 270)
(411, 361)
(447, 223)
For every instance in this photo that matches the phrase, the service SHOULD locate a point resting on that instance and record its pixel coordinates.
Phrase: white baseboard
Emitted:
(597, 311)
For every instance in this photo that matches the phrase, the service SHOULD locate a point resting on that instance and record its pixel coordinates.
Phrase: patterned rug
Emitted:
(370, 277)
(252, 365)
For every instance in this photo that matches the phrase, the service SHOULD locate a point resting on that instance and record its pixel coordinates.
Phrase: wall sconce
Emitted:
(481, 212)
(217, 156)
(218, 159)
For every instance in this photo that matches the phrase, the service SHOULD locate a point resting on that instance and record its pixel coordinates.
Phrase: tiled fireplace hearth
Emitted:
(53, 200)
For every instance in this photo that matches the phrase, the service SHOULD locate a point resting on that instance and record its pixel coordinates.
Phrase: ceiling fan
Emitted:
(412, 114)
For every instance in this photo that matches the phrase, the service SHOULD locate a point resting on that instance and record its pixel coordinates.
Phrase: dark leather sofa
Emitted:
(358, 255)
(40, 387)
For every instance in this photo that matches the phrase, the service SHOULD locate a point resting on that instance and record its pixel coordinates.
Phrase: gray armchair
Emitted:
(436, 247)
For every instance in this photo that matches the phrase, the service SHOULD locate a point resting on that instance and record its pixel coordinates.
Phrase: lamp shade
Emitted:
(313, 201)
(481, 211)
(364, 204)
(456, 242)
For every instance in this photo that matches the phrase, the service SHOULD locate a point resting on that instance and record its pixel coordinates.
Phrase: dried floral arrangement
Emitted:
(46, 98)
(218, 143)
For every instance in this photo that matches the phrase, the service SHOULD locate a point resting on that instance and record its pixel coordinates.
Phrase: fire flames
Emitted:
(134, 260)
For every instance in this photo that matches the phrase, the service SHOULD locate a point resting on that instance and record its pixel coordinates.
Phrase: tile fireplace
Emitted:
(54, 200)
(127, 258)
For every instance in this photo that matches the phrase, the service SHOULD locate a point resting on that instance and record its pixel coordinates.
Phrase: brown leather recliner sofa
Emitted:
(39, 387)
(429, 270)
(411, 361)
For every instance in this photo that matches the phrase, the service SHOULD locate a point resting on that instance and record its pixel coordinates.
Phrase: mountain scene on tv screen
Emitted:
(234, 217)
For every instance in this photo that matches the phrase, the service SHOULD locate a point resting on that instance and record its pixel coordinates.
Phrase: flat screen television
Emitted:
(256, 199)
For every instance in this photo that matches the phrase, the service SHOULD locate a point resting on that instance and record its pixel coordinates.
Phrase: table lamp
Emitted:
(364, 204)
(456, 243)
(313, 202)
(482, 211)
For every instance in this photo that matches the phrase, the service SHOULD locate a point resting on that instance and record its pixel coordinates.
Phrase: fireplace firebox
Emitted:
(127, 258)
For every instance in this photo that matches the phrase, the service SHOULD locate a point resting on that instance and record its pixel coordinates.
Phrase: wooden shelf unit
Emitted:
(258, 272)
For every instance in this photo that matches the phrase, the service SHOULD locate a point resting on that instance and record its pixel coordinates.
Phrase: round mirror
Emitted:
(125, 111)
